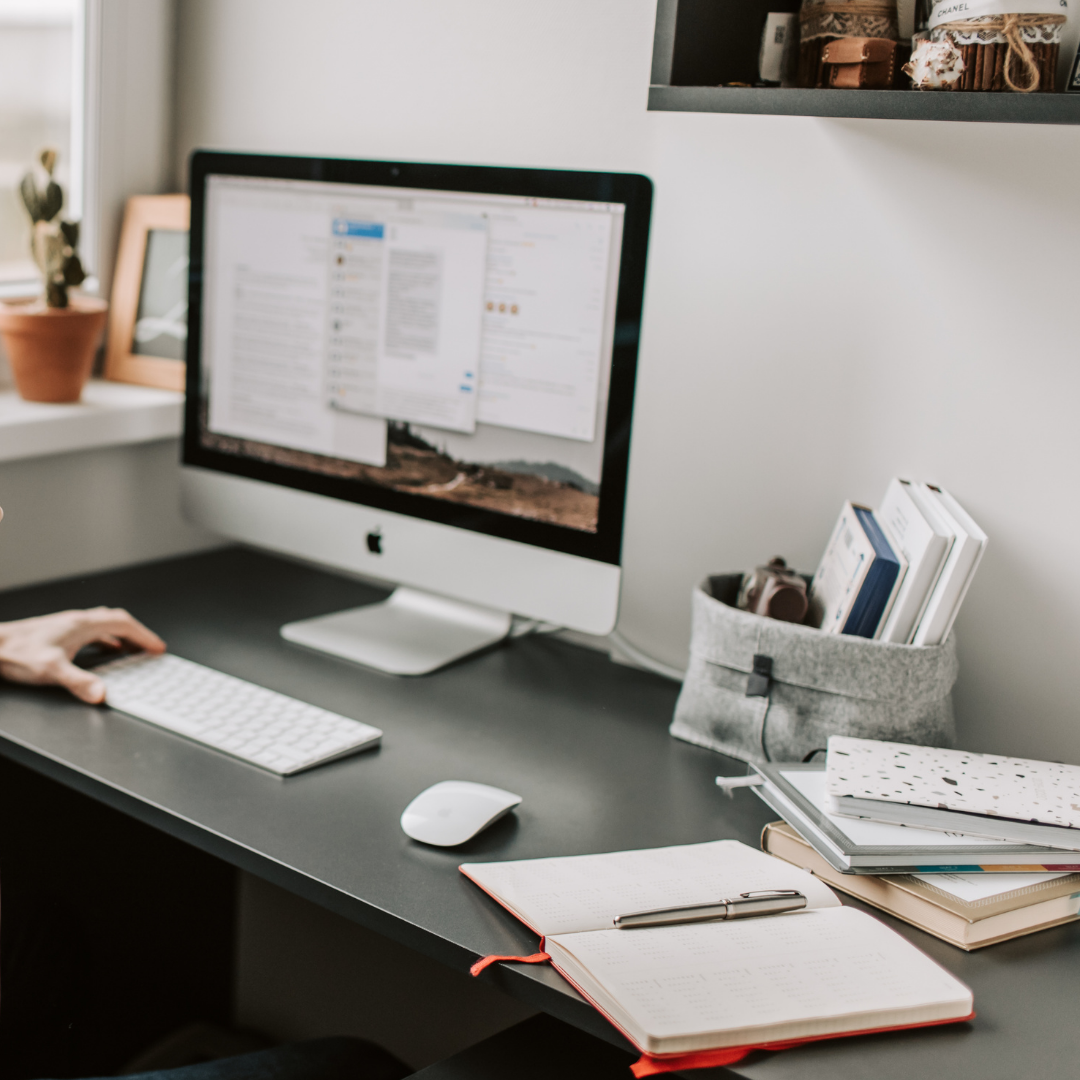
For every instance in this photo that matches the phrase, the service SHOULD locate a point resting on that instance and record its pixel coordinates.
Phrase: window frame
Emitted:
(75, 196)
(123, 54)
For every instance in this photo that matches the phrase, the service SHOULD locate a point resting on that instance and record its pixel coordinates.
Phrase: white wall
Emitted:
(72, 514)
(829, 302)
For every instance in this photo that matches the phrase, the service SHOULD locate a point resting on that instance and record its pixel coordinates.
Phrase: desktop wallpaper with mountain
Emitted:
(541, 491)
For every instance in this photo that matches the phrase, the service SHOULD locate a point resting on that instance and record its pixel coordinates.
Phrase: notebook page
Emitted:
(586, 892)
(733, 983)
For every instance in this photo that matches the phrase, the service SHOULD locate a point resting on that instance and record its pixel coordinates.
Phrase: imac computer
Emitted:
(418, 373)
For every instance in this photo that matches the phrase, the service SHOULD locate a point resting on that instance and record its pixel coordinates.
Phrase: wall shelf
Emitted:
(871, 104)
(682, 52)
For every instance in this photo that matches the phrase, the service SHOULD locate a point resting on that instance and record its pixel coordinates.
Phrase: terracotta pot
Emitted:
(51, 350)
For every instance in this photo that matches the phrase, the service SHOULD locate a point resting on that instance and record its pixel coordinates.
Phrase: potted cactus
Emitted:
(51, 341)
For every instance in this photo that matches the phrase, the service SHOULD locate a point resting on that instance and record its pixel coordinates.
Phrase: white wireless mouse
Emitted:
(453, 811)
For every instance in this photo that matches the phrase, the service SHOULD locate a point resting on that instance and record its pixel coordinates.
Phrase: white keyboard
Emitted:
(236, 717)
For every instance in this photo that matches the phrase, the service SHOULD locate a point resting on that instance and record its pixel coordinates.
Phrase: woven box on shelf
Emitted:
(1016, 51)
(816, 684)
(825, 21)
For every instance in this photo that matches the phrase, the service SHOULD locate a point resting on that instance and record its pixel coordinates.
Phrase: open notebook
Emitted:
(704, 987)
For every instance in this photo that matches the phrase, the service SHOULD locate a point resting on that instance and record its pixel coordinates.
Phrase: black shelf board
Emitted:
(871, 104)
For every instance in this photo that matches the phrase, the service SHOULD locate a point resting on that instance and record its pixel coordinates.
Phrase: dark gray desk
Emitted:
(583, 740)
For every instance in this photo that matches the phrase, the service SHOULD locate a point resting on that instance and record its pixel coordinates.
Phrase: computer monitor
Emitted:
(420, 373)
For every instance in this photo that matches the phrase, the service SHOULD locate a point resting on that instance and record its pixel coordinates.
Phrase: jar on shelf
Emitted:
(866, 37)
(977, 45)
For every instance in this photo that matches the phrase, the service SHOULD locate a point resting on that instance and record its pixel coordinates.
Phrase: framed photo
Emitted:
(148, 323)
(1073, 85)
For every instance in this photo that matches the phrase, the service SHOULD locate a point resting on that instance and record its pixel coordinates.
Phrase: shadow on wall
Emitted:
(1018, 631)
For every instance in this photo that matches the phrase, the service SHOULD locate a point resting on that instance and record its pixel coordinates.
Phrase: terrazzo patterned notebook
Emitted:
(868, 778)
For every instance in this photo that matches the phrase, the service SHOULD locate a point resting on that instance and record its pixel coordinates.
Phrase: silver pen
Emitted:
(747, 905)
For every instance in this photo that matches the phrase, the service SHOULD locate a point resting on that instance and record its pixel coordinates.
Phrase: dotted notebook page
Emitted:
(1037, 791)
(586, 892)
(815, 971)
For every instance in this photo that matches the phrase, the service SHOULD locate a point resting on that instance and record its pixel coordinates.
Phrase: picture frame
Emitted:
(148, 320)
(1072, 84)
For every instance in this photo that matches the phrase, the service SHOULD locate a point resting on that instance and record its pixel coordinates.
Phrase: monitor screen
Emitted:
(450, 342)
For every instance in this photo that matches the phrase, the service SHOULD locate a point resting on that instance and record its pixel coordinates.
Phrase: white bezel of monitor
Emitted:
(545, 571)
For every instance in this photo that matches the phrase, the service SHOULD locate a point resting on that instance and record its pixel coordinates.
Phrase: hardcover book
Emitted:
(925, 541)
(957, 573)
(858, 578)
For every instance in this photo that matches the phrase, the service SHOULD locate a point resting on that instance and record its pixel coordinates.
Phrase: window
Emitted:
(37, 84)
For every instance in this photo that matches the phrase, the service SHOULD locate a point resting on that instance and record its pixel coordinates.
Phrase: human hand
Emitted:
(39, 650)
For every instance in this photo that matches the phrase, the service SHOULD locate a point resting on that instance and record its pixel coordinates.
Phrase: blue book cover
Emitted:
(878, 584)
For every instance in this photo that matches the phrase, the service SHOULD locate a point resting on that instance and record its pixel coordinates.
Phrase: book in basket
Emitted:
(707, 993)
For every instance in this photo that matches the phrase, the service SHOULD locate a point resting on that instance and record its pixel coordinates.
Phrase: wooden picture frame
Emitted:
(148, 237)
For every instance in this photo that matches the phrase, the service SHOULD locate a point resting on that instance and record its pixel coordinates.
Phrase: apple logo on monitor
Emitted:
(374, 542)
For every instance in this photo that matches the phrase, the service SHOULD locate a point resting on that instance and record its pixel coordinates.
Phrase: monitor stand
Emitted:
(409, 633)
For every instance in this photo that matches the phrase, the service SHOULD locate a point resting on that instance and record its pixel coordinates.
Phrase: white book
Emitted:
(925, 540)
(848, 557)
(699, 987)
(956, 574)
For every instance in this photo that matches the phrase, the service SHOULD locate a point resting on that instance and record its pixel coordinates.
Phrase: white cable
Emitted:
(524, 627)
(644, 660)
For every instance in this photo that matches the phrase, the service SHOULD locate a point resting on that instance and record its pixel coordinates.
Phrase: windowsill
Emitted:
(110, 414)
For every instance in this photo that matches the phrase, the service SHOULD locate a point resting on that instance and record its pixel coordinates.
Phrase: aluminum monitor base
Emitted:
(409, 633)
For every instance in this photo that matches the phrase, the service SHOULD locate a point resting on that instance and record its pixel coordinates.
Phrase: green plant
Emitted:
(53, 243)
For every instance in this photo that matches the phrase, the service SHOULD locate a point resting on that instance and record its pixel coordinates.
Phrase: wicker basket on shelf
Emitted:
(1017, 52)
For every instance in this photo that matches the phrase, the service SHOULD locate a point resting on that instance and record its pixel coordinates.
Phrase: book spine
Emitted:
(879, 583)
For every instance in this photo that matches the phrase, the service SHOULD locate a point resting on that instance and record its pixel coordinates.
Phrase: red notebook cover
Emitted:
(654, 1064)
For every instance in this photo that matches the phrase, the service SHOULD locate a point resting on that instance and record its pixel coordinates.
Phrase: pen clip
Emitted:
(770, 893)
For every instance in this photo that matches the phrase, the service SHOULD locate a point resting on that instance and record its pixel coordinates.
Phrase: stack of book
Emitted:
(966, 910)
(971, 879)
(900, 573)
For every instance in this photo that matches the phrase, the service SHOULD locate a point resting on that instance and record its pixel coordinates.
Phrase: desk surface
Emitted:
(583, 740)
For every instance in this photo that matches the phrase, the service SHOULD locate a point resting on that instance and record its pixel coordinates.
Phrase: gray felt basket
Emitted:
(808, 685)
